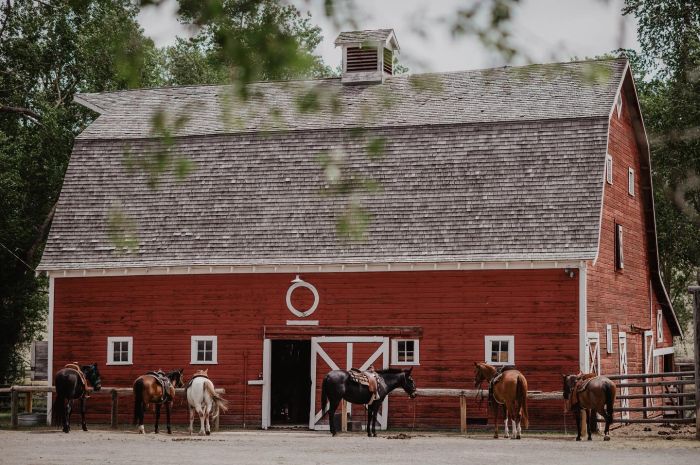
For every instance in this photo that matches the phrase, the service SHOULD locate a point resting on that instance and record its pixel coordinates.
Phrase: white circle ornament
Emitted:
(297, 283)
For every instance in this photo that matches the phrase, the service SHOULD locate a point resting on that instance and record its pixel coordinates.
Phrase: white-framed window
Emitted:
(619, 249)
(203, 350)
(630, 181)
(405, 352)
(609, 339)
(659, 326)
(120, 350)
(618, 104)
(609, 168)
(499, 350)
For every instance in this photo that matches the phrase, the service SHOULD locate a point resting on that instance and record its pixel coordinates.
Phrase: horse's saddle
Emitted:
(581, 386)
(81, 376)
(165, 384)
(198, 375)
(366, 378)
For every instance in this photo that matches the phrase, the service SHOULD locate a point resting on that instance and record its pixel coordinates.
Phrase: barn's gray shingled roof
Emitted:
(353, 37)
(502, 164)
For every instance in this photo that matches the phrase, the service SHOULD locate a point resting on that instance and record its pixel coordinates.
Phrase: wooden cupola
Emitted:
(368, 56)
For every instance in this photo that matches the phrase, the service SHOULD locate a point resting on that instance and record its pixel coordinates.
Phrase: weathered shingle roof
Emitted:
(569, 90)
(496, 166)
(374, 35)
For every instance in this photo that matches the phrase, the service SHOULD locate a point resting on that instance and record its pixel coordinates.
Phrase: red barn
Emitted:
(514, 224)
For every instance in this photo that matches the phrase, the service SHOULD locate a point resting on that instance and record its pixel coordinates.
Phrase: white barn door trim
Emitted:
(317, 351)
(593, 352)
(649, 363)
(624, 391)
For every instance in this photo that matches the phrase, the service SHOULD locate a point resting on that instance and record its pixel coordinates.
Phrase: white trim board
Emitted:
(324, 268)
(49, 396)
(663, 351)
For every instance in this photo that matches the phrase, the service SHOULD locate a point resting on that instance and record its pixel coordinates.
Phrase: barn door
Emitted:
(648, 364)
(624, 391)
(343, 353)
(593, 351)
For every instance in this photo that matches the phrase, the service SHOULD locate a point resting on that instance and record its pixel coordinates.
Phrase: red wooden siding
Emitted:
(454, 309)
(623, 298)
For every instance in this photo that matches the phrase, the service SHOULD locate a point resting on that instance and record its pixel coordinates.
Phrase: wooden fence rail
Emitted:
(113, 392)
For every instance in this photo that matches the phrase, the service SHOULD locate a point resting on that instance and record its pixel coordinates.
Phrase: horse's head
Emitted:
(409, 385)
(479, 376)
(176, 377)
(568, 385)
(92, 374)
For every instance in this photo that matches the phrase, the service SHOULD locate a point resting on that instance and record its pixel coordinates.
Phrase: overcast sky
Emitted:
(545, 30)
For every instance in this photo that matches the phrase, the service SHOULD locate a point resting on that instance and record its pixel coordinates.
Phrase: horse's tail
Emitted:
(138, 400)
(220, 402)
(58, 411)
(521, 395)
(324, 398)
(610, 394)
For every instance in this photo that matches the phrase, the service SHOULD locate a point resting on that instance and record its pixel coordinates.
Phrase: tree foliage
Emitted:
(668, 78)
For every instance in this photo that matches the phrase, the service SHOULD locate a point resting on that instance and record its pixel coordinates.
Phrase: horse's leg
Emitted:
(191, 419)
(592, 420)
(495, 421)
(369, 421)
(513, 416)
(168, 406)
(577, 417)
(375, 411)
(83, 408)
(506, 416)
(69, 410)
(142, 414)
(331, 414)
(207, 414)
(200, 413)
(64, 404)
(157, 418)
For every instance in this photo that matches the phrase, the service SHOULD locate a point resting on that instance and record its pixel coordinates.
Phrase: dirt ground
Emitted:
(104, 446)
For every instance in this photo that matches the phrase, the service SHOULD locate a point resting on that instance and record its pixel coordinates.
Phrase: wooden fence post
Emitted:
(463, 414)
(115, 409)
(343, 416)
(14, 408)
(695, 290)
(28, 402)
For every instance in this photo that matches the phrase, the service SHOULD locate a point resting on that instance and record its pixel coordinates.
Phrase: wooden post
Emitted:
(115, 409)
(28, 402)
(695, 290)
(14, 408)
(343, 416)
(463, 414)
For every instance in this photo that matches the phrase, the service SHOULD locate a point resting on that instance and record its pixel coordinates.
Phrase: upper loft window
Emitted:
(361, 59)
(500, 350)
(619, 255)
(609, 169)
(630, 182)
(618, 104)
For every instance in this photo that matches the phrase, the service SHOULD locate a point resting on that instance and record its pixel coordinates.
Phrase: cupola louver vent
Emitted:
(368, 56)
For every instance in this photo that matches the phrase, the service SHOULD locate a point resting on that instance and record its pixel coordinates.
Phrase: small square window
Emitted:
(119, 350)
(204, 350)
(630, 182)
(404, 352)
(499, 350)
(609, 169)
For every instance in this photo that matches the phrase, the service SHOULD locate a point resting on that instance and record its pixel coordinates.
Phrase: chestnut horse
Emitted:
(148, 390)
(508, 389)
(71, 384)
(594, 394)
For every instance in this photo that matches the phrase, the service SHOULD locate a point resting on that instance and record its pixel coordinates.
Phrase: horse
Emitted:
(202, 398)
(157, 388)
(71, 384)
(508, 388)
(338, 385)
(594, 394)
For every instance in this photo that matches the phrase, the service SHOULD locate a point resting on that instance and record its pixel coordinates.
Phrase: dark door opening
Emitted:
(291, 382)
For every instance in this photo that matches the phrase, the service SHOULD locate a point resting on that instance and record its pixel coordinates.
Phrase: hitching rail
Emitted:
(113, 392)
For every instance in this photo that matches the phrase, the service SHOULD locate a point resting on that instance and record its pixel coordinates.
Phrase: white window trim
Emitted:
(193, 350)
(630, 181)
(110, 349)
(659, 326)
(609, 339)
(609, 169)
(511, 349)
(395, 352)
(618, 104)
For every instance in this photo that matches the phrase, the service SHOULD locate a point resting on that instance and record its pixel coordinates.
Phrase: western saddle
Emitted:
(165, 384)
(81, 376)
(367, 378)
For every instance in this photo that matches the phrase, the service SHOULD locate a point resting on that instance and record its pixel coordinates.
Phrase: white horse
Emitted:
(203, 399)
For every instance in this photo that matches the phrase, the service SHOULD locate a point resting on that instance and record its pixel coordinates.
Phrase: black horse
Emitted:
(338, 385)
(70, 385)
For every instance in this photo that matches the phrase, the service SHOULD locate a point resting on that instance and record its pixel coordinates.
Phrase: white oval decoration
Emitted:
(298, 282)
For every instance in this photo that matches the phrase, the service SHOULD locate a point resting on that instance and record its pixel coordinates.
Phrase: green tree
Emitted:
(48, 52)
(668, 77)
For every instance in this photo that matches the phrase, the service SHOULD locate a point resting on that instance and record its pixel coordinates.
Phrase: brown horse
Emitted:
(157, 388)
(594, 394)
(508, 388)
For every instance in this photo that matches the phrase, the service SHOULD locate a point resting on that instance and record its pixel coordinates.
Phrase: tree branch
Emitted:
(26, 112)
(41, 235)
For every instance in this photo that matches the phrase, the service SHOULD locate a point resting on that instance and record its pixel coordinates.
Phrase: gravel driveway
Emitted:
(282, 447)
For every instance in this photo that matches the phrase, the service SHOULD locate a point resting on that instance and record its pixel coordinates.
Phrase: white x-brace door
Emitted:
(593, 352)
(649, 362)
(624, 391)
(318, 346)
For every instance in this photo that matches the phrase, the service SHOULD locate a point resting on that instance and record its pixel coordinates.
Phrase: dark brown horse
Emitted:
(594, 394)
(508, 388)
(71, 384)
(157, 388)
